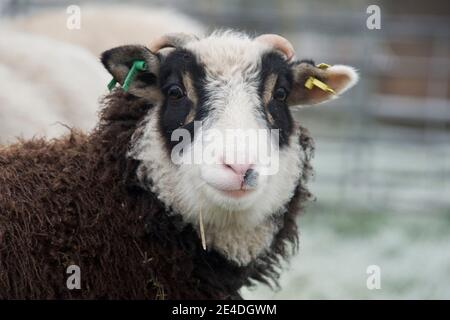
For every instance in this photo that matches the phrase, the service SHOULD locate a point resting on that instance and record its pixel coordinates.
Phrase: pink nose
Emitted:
(239, 169)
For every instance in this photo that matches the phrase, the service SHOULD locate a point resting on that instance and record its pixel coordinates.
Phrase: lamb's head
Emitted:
(220, 140)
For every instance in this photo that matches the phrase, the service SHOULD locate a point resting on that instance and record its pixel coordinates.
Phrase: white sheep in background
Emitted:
(38, 76)
(105, 27)
(49, 78)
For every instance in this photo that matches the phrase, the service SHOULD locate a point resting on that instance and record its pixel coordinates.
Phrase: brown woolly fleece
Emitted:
(76, 200)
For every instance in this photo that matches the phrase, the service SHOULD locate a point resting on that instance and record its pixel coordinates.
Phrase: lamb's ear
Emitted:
(339, 78)
(119, 61)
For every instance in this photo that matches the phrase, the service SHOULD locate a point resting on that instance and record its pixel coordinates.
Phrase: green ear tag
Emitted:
(138, 65)
(112, 84)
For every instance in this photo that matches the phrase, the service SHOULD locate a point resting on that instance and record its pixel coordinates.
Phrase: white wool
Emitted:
(44, 82)
(104, 27)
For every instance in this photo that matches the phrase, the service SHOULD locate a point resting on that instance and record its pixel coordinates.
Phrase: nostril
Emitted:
(251, 178)
(248, 173)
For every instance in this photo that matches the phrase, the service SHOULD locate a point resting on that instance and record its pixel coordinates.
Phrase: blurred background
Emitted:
(382, 160)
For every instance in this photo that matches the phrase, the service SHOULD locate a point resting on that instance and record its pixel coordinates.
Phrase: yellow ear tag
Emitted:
(311, 82)
(323, 66)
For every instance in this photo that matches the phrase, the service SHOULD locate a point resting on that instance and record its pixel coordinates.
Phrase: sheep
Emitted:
(49, 64)
(39, 76)
(103, 27)
(138, 223)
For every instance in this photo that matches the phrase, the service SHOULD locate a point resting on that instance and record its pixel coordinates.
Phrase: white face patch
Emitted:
(241, 228)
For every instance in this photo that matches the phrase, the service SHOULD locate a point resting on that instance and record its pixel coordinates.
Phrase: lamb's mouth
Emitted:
(233, 185)
(233, 193)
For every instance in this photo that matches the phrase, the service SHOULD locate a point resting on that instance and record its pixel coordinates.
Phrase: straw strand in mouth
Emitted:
(202, 230)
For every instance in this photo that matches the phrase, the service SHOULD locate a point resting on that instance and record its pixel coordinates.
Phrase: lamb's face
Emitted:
(221, 139)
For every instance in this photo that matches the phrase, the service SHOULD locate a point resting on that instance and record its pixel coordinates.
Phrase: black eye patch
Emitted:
(275, 109)
(175, 109)
(182, 104)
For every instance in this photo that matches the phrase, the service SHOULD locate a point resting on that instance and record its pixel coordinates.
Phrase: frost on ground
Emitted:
(335, 250)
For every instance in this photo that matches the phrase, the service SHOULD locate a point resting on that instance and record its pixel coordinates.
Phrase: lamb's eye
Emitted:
(280, 94)
(175, 92)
